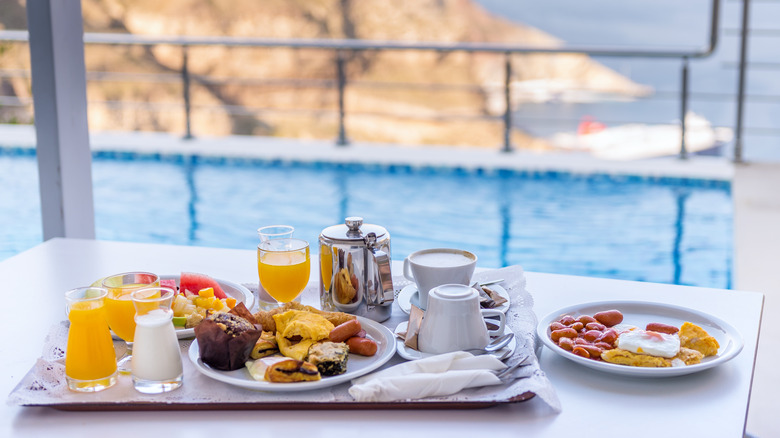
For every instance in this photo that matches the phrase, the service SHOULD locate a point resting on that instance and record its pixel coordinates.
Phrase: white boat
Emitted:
(636, 141)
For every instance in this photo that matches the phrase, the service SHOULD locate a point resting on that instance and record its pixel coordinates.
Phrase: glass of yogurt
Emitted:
(156, 363)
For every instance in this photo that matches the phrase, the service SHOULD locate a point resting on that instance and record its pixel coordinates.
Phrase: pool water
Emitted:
(636, 228)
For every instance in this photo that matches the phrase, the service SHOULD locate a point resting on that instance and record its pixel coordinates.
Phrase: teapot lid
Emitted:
(353, 229)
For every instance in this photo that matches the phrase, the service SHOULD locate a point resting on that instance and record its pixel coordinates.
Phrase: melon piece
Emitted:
(171, 283)
(193, 283)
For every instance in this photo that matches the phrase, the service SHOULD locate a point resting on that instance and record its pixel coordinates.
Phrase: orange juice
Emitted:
(284, 274)
(120, 312)
(90, 353)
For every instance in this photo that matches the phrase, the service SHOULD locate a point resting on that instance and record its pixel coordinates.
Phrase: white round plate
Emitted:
(639, 313)
(409, 296)
(356, 366)
(409, 353)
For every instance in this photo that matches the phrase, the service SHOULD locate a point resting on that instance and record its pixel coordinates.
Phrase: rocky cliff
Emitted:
(413, 97)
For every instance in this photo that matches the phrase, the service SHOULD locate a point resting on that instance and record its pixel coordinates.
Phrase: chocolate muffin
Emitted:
(225, 341)
(231, 324)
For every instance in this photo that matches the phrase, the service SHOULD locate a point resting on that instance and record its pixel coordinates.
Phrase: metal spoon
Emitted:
(495, 345)
(507, 372)
(489, 282)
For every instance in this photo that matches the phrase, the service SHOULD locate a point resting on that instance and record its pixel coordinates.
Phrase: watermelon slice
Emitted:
(192, 283)
(171, 283)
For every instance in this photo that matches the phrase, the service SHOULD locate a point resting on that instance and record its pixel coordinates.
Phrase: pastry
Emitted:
(330, 358)
(291, 370)
(265, 346)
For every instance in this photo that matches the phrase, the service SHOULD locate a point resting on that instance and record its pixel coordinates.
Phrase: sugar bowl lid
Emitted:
(353, 229)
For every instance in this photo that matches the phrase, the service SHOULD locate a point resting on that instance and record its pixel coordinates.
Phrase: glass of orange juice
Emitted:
(264, 300)
(90, 361)
(120, 312)
(283, 266)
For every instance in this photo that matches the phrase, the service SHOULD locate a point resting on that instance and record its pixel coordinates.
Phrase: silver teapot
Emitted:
(355, 272)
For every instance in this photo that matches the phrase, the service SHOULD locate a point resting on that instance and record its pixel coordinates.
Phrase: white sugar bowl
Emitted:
(454, 321)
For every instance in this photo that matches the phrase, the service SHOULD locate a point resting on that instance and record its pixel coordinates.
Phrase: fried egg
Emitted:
(650, 343)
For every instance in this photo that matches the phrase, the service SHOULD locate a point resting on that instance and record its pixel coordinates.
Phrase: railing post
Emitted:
(741, 84)
(185, 83)
(508, 102)
(341, 79)
(683, 108)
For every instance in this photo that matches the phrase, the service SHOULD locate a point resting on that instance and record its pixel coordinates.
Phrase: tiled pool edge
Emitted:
(236, 149)
(395, 168)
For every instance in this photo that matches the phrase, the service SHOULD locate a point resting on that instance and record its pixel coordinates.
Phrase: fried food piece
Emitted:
(193, 319)
(265, 346)
(694, 337)
(291, 370)
(257, 368)
(625, 357)
(689, 356)
(298, 330)
(330, 358)
(266, 318)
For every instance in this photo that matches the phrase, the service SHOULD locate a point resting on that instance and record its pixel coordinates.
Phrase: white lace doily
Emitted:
(45, 383)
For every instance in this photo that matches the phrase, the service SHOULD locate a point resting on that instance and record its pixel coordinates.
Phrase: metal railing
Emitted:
(342, 46)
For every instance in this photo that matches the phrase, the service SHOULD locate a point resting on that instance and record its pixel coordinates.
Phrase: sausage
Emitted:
(361, 346)
(556, 326)
(593, 351)
(585, 319)
(344, 331)
(595, 326)
(579, 351)
(591, 335)
(361, 334)
(563, 333)
(661, 328)
(567, 320)
(609, 317)
(566, 343)
(609, 336)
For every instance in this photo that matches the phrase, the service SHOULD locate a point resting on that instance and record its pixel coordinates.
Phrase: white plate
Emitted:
(356, 366)
(639, 313)
(412, 354)
(409, 296)
(240, 293)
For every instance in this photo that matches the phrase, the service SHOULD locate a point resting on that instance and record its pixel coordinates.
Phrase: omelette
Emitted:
(695, 337)
(685, 356)
(297, 330)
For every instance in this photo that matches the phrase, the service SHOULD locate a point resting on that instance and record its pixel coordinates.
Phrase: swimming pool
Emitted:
(668, 230)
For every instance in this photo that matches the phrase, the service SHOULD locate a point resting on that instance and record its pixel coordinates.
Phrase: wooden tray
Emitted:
(284, 406)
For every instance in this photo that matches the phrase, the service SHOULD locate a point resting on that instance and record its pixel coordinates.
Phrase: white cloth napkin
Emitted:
(439, 375)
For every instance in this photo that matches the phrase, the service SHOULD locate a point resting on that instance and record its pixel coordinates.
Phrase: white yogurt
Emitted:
(156, 354)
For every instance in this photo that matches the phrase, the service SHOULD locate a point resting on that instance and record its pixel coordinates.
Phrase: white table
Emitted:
(711, 403)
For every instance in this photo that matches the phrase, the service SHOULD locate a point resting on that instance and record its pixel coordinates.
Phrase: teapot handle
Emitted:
(386, 292)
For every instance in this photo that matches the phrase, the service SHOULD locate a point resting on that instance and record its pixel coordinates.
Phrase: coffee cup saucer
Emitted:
(409, 296)
(409, 353)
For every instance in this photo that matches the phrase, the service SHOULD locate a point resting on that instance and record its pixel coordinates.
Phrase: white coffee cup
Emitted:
(429, 268)
(454, 321)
